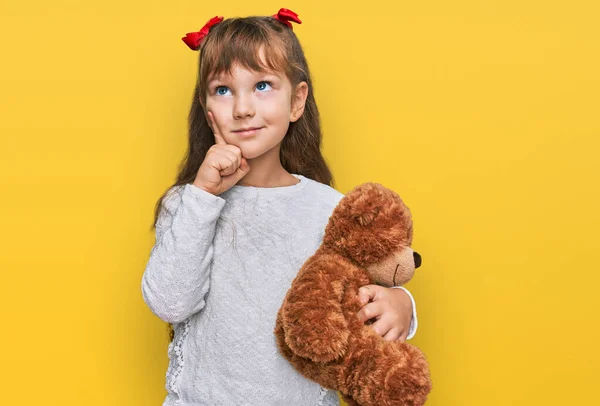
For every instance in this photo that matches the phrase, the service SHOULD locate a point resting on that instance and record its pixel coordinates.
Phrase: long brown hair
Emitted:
(239, 41)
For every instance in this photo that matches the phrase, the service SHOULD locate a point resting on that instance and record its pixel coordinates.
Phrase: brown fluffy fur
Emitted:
(317, 327)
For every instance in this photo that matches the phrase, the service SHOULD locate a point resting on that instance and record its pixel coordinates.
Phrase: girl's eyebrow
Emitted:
(222, 78)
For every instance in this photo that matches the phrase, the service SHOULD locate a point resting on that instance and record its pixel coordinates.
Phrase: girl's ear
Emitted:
(298, 101)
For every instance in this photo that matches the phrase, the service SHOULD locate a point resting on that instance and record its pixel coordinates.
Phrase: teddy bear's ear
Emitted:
(364, 219)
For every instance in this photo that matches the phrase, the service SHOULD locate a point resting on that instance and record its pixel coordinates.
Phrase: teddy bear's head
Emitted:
(372, 226)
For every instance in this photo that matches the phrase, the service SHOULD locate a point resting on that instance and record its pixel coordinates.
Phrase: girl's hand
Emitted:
(223, 165)
(391, 307)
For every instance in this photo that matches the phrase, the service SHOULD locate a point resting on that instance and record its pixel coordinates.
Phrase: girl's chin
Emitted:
(252, 152)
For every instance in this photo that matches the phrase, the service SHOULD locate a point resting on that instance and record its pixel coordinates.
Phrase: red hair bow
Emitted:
(193, 39)
(285, 16)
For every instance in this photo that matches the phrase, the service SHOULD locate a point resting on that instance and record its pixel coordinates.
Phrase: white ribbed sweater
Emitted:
(219, 271)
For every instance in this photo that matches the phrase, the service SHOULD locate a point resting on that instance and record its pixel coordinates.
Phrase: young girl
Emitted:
(249, 207)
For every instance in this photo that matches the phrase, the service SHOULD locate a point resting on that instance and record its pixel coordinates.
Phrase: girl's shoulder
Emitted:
(323, 193)
(172, 196)
(175, 191)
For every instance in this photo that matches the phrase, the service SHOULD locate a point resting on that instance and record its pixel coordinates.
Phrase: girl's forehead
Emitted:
(265, 60)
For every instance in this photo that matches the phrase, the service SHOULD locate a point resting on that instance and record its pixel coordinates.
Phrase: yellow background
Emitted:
(483, 115)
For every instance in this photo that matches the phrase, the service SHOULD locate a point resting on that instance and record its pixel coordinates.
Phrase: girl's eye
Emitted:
(221, 90)
(262, 85)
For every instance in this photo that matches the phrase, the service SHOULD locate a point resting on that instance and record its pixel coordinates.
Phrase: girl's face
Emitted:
(253, 110)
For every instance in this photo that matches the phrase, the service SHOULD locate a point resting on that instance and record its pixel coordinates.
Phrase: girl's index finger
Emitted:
(218, 137)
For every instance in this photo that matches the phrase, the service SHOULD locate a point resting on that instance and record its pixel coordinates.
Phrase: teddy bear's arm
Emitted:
(313, 321)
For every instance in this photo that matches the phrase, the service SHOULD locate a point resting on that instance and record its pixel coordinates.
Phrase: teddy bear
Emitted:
(367, 240)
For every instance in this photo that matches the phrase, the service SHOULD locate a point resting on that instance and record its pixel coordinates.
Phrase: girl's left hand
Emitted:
(391, 307)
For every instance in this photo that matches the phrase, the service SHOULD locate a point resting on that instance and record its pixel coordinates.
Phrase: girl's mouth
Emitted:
(247, 132)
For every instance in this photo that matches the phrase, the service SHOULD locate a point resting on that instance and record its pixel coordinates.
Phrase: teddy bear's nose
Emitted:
(417, 259)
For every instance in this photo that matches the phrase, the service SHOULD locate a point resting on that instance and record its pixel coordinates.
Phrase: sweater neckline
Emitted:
(247, 190)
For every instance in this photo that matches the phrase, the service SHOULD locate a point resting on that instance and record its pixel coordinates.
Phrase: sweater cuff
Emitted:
(198, 191)
(203, 195)
(414, 323)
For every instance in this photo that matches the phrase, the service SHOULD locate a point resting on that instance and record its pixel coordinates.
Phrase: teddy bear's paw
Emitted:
(319, 346)
(408, 381)
(323, 339)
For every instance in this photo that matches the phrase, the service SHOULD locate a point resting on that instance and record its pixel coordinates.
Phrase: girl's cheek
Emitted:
(271, 95)
(218, 106)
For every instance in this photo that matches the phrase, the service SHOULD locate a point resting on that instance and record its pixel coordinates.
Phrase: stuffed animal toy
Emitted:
(367, 241)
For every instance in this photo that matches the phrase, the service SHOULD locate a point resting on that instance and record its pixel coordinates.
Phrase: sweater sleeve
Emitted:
(412, 329)
(176, 278)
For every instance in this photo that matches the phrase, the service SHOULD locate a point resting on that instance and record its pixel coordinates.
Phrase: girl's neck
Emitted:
(283, 179)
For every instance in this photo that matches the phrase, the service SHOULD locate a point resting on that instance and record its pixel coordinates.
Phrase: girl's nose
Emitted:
(243, 107)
